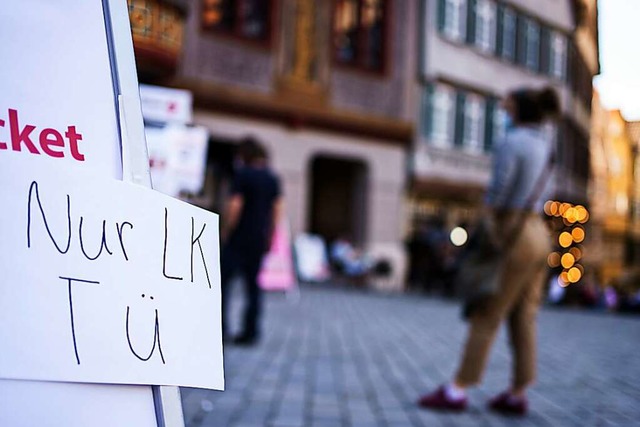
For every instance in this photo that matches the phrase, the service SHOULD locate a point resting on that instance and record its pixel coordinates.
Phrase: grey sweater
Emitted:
(519, 161)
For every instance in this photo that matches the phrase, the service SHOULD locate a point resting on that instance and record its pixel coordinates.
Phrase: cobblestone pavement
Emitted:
(339, 357)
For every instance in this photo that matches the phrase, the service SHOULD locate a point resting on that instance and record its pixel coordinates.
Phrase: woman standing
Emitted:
(519, 162)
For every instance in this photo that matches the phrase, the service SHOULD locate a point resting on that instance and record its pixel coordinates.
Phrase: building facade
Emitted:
(323, 84)
(472, 53)
(598, 186)
(611, 231)
(633, 131)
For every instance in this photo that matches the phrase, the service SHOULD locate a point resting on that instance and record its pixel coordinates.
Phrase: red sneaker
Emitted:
(439, 400)
(505, 404)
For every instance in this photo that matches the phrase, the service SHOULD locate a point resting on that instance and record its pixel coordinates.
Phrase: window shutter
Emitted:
(458, 136)
(571, 63)
(574, 69)
(471, 21)
(521, 40)
(427, 110)
(490, 111)
(534, 43)
(545, 51)
(499, 30)
(442, 9)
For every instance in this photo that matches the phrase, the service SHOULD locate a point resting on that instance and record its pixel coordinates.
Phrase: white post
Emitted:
(135, 160)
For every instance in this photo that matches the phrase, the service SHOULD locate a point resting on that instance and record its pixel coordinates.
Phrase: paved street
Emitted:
(341, 357)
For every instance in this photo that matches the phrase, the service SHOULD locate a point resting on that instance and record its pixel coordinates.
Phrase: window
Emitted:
(532, 56)
(558, 59)
(507, 33)
(359, 33)
(499, 130)
(521, 40)
(473, 126)
(247, 19)
(438, 112)
(452, 16)
(493, 123)
(579, 76)
(545, 50)
(485, 25)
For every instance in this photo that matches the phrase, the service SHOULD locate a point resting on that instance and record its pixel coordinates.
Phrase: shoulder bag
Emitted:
(479, 267)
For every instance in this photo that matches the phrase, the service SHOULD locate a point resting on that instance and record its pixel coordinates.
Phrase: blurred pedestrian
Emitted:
(251, 215)
(348, 260)
(429, 248)
(520, 159)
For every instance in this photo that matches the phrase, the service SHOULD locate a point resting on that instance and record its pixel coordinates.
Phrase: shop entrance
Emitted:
(338, 205)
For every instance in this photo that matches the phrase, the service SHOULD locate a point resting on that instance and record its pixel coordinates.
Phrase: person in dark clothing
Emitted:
(247, 230)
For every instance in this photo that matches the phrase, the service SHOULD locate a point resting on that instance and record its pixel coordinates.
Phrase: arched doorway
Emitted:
(338, 198)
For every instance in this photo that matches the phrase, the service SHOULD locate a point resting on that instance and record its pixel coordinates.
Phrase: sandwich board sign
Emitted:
(110, 293)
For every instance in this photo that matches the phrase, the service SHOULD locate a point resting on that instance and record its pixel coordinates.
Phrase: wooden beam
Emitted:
(294, 113)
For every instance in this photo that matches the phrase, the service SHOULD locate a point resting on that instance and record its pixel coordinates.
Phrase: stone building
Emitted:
(377, 113)
(472, 53)
(611, 231)
(633, 252)
(324, 84)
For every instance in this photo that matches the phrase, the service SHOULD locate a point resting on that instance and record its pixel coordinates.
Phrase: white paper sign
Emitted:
(56, 91)
(166, 105)
(104, 281)
(178, 158)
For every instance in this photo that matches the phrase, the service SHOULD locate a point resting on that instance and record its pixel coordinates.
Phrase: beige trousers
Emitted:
(524, 272)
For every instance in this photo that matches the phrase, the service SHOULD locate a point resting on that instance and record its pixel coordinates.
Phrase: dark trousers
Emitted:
(245, 261)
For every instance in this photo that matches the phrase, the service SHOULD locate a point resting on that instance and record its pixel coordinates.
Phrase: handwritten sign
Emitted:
(105, 282)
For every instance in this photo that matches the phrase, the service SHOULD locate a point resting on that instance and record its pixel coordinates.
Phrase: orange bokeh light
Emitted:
(565, 239)
(576, 252)
(553, 259)
(574, 275)
(567, 260)
(582, 214)
(563, 208)
(578, 234)
(563, 279)
(571, 215)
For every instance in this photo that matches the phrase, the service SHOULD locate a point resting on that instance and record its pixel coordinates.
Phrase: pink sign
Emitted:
(277, 273)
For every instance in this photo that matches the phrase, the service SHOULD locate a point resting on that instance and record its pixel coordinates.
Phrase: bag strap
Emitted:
(540, 183)
(538, 188)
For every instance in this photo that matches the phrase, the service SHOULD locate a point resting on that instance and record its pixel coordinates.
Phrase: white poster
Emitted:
(177, 158)
(44, 404)
(166, 105)
(56, 92)
(105, 282)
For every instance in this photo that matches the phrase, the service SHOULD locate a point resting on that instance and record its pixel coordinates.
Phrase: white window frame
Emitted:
(532, 59)
(486, 25)
(499, 124)
(558, 56)
(550, 131)
(455, 19)
(442, 116)
(473, 134)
